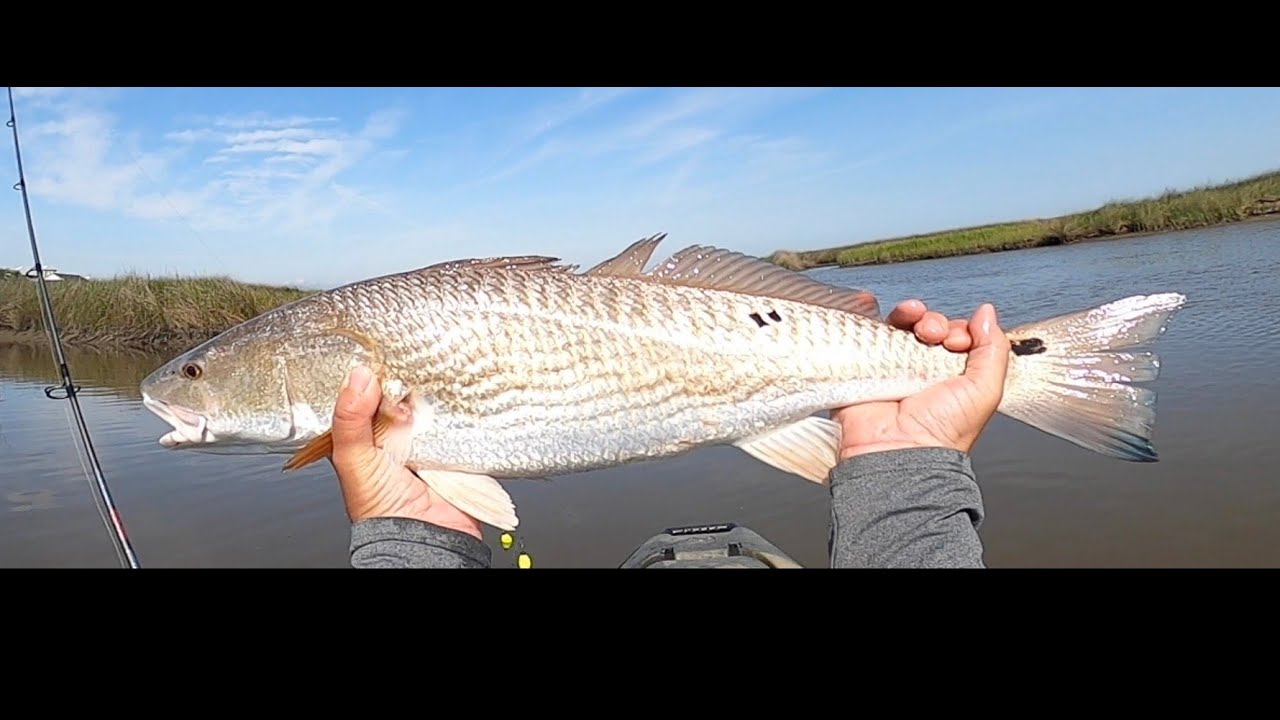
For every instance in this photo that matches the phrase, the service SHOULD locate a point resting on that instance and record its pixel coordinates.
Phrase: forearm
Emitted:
(906, 508)
(392, 542)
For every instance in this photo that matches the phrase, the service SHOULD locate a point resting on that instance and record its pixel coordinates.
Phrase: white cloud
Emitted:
(678, 140)
(547, 118)
(72, 162)
(274, 174)
(691, 120)
(36, 93)
(264, 120)
(191, 135)
(314, 146)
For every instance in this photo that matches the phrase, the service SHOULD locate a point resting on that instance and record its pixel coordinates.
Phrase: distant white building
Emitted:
(50, 274)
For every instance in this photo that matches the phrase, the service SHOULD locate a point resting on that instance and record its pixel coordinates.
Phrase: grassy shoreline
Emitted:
(1232, 202)
(134, 312)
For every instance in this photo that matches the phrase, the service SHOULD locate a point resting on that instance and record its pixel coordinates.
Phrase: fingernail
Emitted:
(986, 320)
(359, 378)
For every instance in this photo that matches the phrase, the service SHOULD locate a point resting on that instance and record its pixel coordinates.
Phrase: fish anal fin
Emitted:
(479, 496)
(719, 269)
(631, 261)
(322, 446)
(809, 448)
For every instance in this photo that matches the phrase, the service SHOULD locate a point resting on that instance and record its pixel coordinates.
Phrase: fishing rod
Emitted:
(106, 506)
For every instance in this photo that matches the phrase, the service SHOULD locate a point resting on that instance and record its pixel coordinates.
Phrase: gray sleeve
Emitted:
(393, 542)
(917, 508)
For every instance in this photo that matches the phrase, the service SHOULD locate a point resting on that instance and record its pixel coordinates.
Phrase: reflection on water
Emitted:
(1212, 500)
(119, 372)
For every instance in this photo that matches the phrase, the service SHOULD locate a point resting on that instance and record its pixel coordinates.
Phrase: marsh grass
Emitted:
(137, 311)
(1173, 210)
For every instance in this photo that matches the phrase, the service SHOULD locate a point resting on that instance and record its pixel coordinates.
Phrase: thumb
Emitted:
(989, 357)
(353, 415)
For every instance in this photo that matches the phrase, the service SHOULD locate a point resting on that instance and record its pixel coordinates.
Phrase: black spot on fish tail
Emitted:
(759, 320)
(1029, 346)
(776, 317)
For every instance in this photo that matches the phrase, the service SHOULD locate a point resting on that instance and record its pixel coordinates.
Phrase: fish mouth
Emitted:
(189, 426)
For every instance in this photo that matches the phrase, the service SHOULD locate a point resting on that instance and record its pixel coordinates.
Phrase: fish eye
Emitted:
(191, 370)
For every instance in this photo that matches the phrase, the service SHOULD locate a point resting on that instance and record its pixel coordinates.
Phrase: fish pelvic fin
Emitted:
(809, 448)
(322, 446)
(1070, 375)
(479, 496)
(631, 261)
(719, 269)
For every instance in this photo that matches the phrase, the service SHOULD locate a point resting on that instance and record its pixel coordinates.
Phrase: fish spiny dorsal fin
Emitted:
(513, 262)
(719, 269)
(631, 261)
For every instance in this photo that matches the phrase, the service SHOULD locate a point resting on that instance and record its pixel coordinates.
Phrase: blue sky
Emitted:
(321, 186)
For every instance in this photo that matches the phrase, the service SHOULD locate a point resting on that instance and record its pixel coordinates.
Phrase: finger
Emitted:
(958, 338)
(932, 328)
(989, 358)
(353, 416)
(906, 314)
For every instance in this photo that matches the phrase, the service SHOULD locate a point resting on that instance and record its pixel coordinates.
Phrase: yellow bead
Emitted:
(526, 562)
(507, 541)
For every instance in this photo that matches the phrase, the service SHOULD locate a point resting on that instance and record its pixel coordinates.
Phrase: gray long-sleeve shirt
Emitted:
(917, 508)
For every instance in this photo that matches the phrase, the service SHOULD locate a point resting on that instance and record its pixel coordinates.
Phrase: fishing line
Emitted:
(106, 505)
(183, 218)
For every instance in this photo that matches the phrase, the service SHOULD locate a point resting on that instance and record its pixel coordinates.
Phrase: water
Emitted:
(1213, 499)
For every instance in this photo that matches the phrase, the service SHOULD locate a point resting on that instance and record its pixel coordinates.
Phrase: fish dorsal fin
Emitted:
(631, 261)
(719, 269)
(513, 262)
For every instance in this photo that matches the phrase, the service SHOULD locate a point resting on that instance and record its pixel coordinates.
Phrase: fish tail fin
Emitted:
(1069, 375)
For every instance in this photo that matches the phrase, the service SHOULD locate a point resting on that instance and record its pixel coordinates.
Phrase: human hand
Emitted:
(951, 414)
(373, 483)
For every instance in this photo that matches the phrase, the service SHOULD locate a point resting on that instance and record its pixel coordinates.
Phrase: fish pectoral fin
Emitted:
(318, 449)
(395, 410)
(809, 448)
(322, 447)
(479, 496)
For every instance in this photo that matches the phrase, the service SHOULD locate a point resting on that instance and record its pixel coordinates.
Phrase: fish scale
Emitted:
(522, 367)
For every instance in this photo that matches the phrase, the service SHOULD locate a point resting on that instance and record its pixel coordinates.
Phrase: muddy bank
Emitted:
(114, 341)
